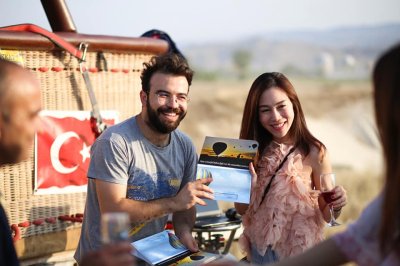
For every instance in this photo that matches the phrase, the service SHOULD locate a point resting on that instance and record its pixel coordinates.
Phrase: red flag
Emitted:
(63, 151)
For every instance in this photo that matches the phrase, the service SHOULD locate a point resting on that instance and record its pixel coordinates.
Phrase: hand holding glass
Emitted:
(327, 186)
(114, 227)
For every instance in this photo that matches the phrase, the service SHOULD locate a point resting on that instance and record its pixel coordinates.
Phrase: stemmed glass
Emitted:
(114, 227)
(327, 186)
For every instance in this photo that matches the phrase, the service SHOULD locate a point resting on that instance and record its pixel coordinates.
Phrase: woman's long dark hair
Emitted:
(251, 127)
(386, 78)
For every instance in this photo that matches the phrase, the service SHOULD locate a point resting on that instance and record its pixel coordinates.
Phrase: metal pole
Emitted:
(58, 15)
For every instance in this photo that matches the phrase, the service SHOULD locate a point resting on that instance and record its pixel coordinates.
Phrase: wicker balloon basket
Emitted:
(51, 223)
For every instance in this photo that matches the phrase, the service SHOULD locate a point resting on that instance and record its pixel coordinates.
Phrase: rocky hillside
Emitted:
(347, 53)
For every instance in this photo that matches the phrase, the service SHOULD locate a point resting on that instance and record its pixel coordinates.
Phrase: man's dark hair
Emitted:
(169, 63)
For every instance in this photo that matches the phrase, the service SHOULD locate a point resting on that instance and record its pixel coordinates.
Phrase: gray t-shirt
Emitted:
(122, 155)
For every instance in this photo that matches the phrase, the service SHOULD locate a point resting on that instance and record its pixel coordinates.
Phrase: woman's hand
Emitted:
(253, 177)
(340, 200)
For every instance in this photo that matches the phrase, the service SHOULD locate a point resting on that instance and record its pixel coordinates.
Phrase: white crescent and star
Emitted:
(55, 151)
(85, 152)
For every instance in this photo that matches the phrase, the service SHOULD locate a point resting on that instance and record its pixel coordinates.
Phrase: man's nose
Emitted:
(173, 101)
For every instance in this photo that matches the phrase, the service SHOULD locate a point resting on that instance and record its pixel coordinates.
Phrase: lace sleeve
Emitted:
(360, 242)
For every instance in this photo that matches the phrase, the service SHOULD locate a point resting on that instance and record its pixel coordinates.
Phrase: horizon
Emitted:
(208, 21)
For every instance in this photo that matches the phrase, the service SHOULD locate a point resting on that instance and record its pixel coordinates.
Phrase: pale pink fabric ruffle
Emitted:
(360, 241)
(289, 218)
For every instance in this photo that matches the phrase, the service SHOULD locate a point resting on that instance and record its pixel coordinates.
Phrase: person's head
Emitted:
(165, 91)
(273, 112)
(386, 81)
(159, 34)
(20, 105)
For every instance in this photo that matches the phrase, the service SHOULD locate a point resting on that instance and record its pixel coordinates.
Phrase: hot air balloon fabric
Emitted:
(174, 241)
(227, 162)
(203, 173)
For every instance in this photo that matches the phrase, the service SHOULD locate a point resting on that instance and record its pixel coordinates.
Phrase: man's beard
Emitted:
(160, 126)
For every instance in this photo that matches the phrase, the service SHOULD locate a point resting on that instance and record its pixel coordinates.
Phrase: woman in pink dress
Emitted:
(374, 239)
(287, 216)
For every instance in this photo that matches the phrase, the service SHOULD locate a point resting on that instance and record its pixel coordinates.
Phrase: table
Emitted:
(213, 229)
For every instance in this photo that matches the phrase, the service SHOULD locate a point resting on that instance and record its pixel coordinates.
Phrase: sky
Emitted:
(197, 22)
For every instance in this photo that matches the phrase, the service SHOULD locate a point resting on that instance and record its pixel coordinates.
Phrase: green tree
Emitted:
(241, 60)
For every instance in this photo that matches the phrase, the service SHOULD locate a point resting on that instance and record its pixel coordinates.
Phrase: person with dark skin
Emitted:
(20, 104)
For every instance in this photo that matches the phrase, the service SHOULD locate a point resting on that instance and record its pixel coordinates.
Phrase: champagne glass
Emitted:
(327, 186)
(114, 227)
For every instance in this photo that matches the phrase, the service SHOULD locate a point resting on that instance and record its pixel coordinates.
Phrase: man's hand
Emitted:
(188, 241)
(194, 192)
(117, 254)
(183, 220)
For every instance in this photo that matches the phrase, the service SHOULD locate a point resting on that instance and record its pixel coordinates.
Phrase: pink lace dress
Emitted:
(360, 242)
(289, 219)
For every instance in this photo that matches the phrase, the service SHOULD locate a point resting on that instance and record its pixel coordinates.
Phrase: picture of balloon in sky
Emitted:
(227, 152)
(219, 147)
(203, 173)
(227, 162)
(174, 241)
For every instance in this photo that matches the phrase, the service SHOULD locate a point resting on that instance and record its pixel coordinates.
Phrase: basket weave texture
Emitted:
(115, 78)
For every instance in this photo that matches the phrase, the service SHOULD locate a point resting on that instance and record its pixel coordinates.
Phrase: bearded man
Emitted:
(145, 166)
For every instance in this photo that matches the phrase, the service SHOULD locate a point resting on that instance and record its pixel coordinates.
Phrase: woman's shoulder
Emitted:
(318, 155)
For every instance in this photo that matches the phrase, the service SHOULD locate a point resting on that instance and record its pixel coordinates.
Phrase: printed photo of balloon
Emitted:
(225, 152)
(174, 241)
(203, 173)
(219, 147)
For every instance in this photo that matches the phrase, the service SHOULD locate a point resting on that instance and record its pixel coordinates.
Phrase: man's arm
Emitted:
(183, 222)
(112, 198)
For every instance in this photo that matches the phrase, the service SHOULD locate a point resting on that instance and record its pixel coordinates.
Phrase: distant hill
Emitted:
(337, 53)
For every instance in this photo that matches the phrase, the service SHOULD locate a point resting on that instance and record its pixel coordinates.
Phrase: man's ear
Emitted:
(143, 97)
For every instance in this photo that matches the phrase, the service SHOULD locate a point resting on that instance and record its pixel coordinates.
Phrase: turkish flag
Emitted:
(62, 149)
